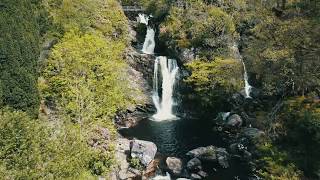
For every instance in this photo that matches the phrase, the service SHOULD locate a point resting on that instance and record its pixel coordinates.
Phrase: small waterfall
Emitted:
(159, 177)
(143, 18)
(149, 43)
(247, 86)
(169, 70)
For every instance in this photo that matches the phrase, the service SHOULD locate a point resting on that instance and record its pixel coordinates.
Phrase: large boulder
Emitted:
(204, 153)
(145, 151)
(211, 154)
(174, 165)
(194, 164)
(234, 120)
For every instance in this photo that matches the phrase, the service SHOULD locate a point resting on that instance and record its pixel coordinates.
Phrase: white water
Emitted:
(225, 115)
(169, 70)
(167, 177)
(143, 18)
(247, 86)
(149, 43)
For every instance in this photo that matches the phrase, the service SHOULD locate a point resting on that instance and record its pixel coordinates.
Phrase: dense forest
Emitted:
(64, 80)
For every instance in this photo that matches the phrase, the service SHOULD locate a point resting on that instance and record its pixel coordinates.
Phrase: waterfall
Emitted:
(169, 70)
(149, 43)
(144, 19)
(247, 86)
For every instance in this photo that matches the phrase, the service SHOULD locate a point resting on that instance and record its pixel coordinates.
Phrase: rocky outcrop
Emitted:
(203, 153)
(234, 121)
(174, 165)
(141, 62)
(145, 151)
(194, 164)
(211, 154)
(123, 170)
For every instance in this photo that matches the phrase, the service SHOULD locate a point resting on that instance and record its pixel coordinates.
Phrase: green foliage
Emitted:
(283, 51)
(301, 119)
(214, 81)
(104, 16)
(38, 149)
(86, 78)
(135, 163)
(276, 165)
(206, 28)
(18, 55)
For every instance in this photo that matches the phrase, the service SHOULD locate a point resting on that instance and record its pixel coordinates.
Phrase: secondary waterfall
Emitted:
(143, 18)
(149, 43)
(169, 70)
(247, 86)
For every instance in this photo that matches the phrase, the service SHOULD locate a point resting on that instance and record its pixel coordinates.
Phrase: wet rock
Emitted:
(223, 157)
(183, 179)
(195, 176)
(151, 169)
(145, 151)
(237, 101)
(255, 93)
(174, 165)
(247, 155)
(204, 153)
(202, 174)
(252, 133)
(123, 170)
(194, 164)
(234, 120)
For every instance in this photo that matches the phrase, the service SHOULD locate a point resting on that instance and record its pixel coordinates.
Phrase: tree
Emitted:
(19, 52)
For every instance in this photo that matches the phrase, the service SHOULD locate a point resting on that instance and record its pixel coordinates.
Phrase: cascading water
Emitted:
(149, 43)
(247, 86)
(144, 19)
(169, 70)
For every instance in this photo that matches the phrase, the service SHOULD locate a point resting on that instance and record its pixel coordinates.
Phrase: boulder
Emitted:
(252, 133)
(194, 164)
(174, 165)
(202, 174)
(223, 157)
(195, 176)
(234, 120)
(145, 151)
(204, 153)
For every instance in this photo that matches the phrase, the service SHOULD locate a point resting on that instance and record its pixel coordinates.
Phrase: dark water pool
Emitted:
(177, 137)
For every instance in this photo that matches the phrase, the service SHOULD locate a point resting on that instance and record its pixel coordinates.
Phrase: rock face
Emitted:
(145, 151)
(174, 165)
(123, 171)
(234, 120)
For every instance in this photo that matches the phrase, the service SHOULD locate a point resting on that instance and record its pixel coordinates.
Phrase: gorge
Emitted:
(160, 89)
